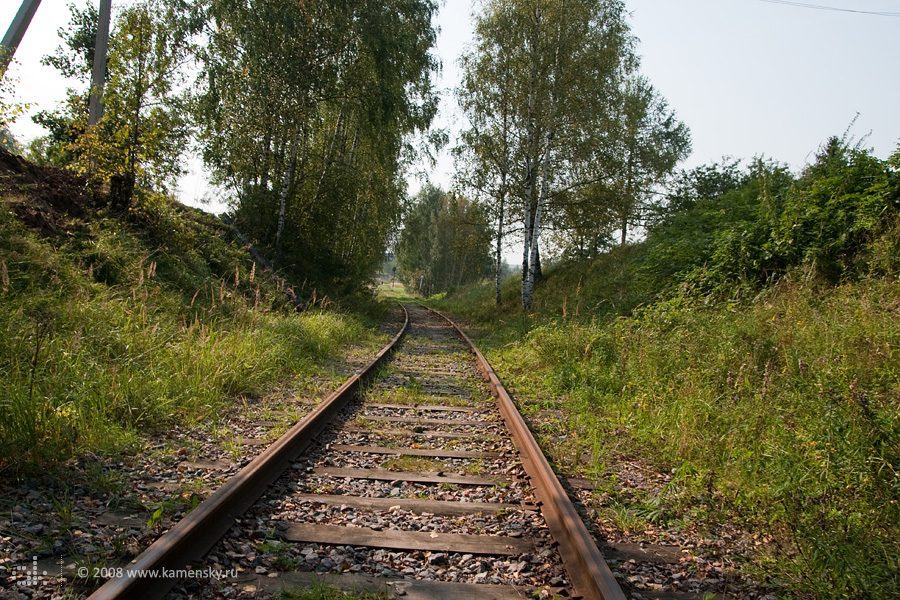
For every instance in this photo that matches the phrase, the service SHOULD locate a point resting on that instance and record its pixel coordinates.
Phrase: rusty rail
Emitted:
(586, 567)
(200, 529)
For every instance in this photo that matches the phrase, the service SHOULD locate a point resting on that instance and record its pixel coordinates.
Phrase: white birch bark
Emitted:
(529, 180)
(528, 287)
(329, 158)
(287, 181)
(543, 193)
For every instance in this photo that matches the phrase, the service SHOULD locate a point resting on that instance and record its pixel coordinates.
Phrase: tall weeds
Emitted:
(131, 328)
(783, 413)
(750, 346)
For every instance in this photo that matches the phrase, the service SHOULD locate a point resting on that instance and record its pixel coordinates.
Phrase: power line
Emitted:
(834, 8)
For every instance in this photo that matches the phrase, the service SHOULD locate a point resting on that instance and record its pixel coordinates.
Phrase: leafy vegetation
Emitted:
(10, 109)
(144, 128)
(305, 113)
(143, 133)
(565, 134)
(445, 243)
(749, 347)
(832, 223)
(748, 344)
(321, 591)
(118, 324)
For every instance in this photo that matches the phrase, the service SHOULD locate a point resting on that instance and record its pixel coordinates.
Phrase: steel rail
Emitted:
(195, 534)
(590, 575)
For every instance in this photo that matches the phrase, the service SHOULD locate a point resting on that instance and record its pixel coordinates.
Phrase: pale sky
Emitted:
(752, 77)
(749, 77)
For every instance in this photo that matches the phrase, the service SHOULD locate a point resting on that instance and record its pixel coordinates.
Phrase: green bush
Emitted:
(767, 224)
(749, 347)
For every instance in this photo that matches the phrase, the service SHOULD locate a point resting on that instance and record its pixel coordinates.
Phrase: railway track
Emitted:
(420, 480)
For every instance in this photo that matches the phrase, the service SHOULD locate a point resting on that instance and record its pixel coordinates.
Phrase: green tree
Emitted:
(485, 159)
(10, 109)
(718, 222)
(8, 141)
(415, 241)
(645, 144)
(556, 66)
(305, 114)
(445, 242)
(144, 128)
(73, 59)
(727, 230)
(701, 183)
(841, 202)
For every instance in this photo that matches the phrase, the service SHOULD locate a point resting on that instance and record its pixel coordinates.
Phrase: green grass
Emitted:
(127, 324)
(394, 291)
(780, 414)
(413, 463)
(749, 347)
(321, 591)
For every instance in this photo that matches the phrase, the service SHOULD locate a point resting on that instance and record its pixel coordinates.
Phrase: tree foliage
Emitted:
(565, 135)
(73, 59)
(726, 228)
(10, 109)
(445, 243)
(144, 130)
(643, 145)
(304, 117)
(303, 110)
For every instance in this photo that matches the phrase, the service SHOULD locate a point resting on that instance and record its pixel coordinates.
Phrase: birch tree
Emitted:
(144, 130)
(649, 142)
(305, 111)
(445, 242)
(557, 63)
(485, 159)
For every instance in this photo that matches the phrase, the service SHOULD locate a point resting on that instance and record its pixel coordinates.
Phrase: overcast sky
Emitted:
(749, 77)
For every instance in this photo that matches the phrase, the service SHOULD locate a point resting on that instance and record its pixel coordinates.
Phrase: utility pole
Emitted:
(98, 74)
(15, 32)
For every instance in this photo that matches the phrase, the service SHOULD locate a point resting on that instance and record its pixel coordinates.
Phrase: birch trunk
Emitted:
(351, 156)
(499, 251)
(267, 153)
(629, 191)
(529, 181)
(329, 158)
(287, 181)
(543, 193)
(528, 287)
(501, 201)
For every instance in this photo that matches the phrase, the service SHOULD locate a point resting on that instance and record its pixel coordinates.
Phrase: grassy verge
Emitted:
(781, 414)
(116, 325)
